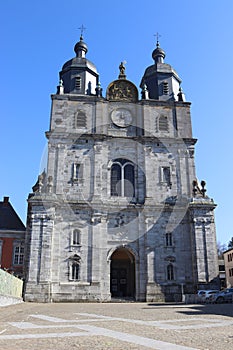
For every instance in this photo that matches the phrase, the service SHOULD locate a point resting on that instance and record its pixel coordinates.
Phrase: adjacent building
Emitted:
(118, 211)
(228, 260)
(12, 236)
(222, 273)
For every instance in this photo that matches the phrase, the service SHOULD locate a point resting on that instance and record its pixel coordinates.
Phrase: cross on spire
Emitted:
(82, 29)
(157, 35)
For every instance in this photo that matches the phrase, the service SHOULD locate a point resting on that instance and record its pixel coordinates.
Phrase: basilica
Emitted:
(118, 213)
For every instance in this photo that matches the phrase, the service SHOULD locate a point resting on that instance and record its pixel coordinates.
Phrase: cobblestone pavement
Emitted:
(118, 326)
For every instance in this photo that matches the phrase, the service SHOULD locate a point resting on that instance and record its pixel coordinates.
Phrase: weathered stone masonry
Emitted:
(118, 212)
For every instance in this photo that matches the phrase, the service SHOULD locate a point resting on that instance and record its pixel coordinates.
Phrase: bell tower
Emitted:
(161, 80)
(118, 211)
(79, 75)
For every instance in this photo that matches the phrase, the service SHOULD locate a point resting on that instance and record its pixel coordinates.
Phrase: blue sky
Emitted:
(38, 38)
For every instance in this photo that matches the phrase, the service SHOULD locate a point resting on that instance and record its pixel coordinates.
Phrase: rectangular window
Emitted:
(166, 175)
(0, 251)
(18, 255)
(75, 272)
(76, 168)
(170, 272)
(168, 239)
(77, 172)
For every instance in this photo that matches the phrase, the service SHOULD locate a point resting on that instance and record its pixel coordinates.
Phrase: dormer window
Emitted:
(165, 88)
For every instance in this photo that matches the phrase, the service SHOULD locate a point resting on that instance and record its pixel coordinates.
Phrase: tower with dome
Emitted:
(118, 212)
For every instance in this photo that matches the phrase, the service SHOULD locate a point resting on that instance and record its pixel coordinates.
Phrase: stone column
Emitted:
(204, 240)
(97, 171)
(46, 234)
(100, 267)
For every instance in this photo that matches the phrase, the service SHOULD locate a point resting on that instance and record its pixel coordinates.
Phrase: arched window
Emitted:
(122, 178)
(163, 123)
(80, 120)
(170, 272)
(75, 239)
(74, 268)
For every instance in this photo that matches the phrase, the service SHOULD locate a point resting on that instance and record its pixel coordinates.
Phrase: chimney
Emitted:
(5, 201)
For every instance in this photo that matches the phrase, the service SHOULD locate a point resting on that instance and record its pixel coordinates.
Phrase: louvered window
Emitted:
(78, 83)
(165, 88)
(163, 123)
(80, 120)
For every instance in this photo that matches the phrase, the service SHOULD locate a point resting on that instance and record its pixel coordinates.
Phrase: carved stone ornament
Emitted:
(122, 89)
(170, 258)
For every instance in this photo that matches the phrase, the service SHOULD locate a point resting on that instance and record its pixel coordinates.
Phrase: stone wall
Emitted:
(10, 285)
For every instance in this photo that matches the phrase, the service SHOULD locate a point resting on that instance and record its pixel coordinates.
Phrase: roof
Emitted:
(228, 250)
(9, 220)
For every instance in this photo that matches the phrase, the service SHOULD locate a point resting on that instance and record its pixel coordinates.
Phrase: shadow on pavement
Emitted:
(197, 309)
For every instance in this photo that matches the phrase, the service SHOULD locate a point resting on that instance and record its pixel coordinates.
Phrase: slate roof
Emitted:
(9, 220)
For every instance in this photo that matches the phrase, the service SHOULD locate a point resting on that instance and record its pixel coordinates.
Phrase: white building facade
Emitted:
(118, 212)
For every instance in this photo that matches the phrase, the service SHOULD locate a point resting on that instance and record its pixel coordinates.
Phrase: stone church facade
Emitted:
(118, 211)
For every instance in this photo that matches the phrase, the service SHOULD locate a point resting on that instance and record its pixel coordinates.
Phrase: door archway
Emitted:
(122, 274)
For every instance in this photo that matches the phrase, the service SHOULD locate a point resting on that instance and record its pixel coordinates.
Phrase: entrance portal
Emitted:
(122, 283)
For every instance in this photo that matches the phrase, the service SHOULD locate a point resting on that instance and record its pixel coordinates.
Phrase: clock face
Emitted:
(121, 117)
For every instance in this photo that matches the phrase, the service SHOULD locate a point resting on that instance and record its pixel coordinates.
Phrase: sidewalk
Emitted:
(5, 300)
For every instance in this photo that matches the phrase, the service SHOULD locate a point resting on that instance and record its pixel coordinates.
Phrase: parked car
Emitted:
(205, 296)
(200, 295)
(224, 296)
